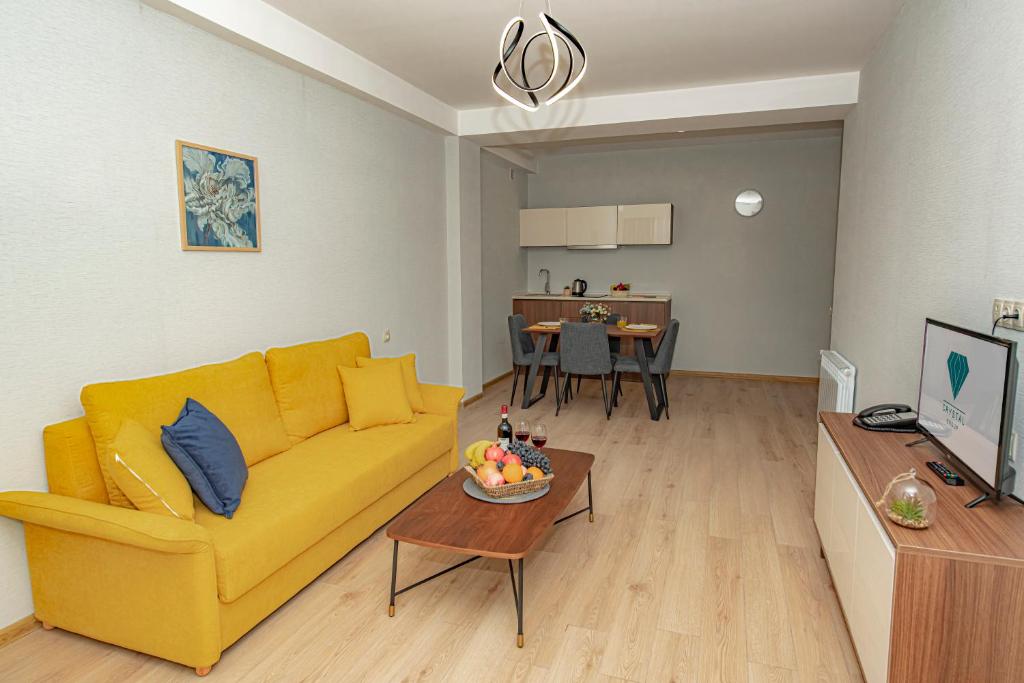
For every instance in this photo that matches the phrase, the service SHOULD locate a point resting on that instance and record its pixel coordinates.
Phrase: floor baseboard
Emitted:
(796, 379)
(488, 384)
(22, 627)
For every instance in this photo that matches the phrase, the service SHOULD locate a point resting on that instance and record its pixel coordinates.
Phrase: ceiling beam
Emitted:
(264, 29)
(786, 100)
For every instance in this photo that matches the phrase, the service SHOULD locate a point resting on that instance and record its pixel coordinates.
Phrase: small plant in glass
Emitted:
(909, 502)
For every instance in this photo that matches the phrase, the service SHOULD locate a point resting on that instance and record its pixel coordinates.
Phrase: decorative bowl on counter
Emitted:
(620, 290)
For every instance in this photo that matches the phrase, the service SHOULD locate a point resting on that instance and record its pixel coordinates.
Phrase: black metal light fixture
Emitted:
(559, 38)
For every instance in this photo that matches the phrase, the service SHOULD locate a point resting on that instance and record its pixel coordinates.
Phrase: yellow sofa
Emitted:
(184, 590)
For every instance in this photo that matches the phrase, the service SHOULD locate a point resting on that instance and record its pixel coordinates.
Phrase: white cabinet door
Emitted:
(645, 224)
(542, 227)
(870, 612)
(589, 226)
(823, 488)
(843, 532)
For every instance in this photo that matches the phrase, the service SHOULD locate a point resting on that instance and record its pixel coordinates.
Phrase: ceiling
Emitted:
(448, 48)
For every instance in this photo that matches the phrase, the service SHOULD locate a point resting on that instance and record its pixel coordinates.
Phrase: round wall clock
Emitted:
(749, 203)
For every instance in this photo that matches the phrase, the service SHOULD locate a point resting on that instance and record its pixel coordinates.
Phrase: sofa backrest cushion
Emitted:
(307, 385)
(238, 392)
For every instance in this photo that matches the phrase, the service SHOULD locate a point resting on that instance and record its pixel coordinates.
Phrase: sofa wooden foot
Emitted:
(203, 670)
(48, 626)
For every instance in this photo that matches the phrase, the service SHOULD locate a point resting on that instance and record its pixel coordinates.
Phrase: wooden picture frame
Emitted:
(218, 199)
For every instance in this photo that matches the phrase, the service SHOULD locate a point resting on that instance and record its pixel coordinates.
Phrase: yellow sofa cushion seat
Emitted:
(307, 386)
(238, 392)
(293, 500)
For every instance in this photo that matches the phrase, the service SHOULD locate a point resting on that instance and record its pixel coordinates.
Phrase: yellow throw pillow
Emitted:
(146, 474)
(375, 395)
(412, 384)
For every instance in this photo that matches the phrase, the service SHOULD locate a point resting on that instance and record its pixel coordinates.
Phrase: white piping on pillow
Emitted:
(117, 458)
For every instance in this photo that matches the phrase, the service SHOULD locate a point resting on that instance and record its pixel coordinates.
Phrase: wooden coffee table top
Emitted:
(446, 517)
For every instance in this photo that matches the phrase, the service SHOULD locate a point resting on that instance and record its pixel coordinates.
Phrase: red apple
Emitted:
(512, 458)
(494, 453)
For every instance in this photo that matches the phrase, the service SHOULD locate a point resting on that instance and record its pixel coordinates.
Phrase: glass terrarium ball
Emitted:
(911, 503)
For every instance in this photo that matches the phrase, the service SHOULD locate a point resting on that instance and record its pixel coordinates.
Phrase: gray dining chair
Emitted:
(584, 351)
(659, 366)
(614, 348)
(523, 351)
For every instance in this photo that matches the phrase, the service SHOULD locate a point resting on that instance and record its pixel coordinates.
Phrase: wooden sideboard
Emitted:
(944, 603)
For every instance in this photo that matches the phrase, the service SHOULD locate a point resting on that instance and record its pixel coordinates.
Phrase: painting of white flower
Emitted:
(218, 197)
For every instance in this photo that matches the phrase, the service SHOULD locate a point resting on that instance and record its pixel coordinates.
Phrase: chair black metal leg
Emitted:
(579, 379)
(564, 397)
(558, 388)
(616, 389)
(515, 382)
(607, 402)
(664, 395)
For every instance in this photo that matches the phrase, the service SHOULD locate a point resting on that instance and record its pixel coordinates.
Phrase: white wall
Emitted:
(933, 166)
(93, 283)
(502, 262)
(933, 169)
(752, 294)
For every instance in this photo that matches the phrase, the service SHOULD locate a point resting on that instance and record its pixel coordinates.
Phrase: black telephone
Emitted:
(888, 417)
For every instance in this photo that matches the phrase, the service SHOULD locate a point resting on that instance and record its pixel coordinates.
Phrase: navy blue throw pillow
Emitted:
(206, 452)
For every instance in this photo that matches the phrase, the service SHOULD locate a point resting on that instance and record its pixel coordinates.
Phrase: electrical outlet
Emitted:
(387, 334)
(1001, 307)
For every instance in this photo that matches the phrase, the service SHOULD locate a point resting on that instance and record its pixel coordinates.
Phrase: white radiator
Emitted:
(836, 383)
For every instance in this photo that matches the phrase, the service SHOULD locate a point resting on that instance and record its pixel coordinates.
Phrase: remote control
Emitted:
(948, 476)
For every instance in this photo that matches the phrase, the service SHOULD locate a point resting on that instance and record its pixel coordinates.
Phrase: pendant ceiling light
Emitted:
(568, 63)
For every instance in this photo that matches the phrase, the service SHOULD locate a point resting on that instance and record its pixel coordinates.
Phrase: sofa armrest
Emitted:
(108, 522)
(440, 399)
(443, 400)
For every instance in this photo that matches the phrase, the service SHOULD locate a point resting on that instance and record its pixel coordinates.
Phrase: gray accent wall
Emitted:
(752, 294)
(502, 262)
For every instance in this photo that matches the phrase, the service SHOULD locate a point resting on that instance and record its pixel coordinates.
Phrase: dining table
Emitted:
(643, 344)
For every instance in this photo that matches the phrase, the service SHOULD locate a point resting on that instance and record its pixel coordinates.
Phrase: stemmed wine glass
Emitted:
(522, 431)
(539, 434)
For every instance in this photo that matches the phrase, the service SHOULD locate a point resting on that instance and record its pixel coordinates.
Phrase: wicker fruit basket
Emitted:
(508, 490)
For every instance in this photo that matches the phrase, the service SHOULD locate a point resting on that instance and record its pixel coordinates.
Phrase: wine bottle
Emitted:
(504, 429)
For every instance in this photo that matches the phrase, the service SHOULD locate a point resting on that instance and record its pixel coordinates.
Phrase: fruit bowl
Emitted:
(507, 490)
(501, 473)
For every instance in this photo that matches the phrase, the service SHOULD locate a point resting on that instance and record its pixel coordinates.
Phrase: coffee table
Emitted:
(446, 517)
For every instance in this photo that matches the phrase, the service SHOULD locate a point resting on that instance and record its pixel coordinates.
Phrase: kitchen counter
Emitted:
(649, 297)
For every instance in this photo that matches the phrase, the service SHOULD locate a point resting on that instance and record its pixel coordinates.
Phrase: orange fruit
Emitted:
(537, 472)
(513, 473)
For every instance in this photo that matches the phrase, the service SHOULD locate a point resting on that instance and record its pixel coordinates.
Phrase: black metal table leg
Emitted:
(642, 347)
(394, 576)
(590, 498)
(531, 376)
(519, 605)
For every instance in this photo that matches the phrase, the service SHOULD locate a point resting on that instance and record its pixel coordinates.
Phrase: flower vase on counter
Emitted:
(594, 313)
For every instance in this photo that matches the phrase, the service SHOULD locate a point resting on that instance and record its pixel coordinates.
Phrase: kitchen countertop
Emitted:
(649, 297)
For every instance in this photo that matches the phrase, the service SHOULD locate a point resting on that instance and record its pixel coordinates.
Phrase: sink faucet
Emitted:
(547, 279)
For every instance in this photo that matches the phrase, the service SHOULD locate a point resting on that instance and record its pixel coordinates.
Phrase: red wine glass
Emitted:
(522, 430)
(539, 434)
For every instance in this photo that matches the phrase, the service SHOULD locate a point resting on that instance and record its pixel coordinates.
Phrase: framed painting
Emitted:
(218, 196)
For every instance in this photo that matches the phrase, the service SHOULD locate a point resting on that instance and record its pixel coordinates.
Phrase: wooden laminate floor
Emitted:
(702, 565)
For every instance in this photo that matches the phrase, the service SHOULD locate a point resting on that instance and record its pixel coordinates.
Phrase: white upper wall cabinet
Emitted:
(590, 226)
(645, 224)
(542, 228)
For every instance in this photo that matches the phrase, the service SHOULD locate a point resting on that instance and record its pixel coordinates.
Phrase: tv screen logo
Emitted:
(958, 368)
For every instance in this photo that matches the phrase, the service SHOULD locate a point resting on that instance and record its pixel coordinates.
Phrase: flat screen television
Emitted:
(965, 402)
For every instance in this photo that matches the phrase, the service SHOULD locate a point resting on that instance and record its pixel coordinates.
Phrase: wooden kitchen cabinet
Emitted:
(644, 224)
(542, 227)
(591, 226)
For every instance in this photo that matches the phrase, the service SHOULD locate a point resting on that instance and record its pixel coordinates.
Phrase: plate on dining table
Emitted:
(641, 327)
(550, 323)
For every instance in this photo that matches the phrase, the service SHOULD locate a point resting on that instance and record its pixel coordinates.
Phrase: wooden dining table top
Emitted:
(613, 331)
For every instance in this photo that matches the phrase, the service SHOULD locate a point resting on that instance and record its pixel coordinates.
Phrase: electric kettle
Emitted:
(579, 287)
